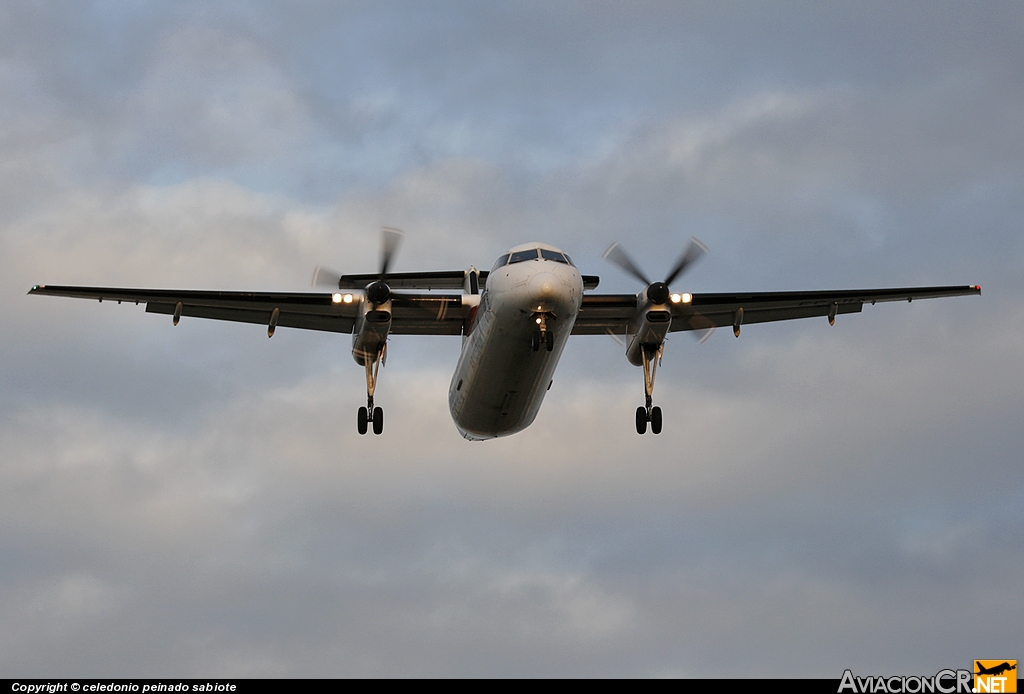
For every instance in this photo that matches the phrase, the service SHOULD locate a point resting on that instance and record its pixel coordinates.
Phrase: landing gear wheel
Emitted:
(535, 342)
(656, 420)
(361, 420)
(549, 341)
(378, 420)
(641, 420)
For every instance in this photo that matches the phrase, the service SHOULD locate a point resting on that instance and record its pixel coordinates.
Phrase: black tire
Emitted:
(378, 420)
(656, 420)
(361, 421)
(641, 420)
(535, 341)
(550, 340)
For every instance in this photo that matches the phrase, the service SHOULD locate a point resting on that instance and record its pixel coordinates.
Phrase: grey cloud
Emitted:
(399, 548)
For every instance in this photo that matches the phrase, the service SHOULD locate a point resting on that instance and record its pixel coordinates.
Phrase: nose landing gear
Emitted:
(542, 336)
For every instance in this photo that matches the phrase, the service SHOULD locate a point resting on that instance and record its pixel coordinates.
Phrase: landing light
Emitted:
(687, 297)
(348, 298)
(684, 298)
(336, 298)
(538, 321)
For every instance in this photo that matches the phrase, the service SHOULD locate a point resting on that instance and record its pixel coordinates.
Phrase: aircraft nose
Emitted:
(544, 286)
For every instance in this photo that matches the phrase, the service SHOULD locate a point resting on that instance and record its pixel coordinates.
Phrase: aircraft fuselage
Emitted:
(513, 343)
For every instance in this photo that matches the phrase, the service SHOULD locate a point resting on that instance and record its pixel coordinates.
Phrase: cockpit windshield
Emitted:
(532, 254)
(501, 261)
(520, 256)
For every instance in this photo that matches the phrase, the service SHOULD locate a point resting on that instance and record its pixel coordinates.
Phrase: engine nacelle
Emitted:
(649, 330)
(371, 331)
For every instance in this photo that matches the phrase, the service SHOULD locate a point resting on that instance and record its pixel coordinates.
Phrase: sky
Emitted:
(195, 501)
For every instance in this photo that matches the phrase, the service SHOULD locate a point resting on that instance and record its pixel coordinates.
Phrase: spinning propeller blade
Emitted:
(615, 255)
(693, 252)
(390, 239)
(325, 277)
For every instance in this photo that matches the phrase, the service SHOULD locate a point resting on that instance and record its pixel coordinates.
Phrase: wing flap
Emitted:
(286, 319)
(310, 302)
(603, 313)
(427, 315)
(412, 314)
(702, 320)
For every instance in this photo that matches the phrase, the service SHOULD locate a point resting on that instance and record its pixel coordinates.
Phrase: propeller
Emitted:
(657, 292)
(378, 291)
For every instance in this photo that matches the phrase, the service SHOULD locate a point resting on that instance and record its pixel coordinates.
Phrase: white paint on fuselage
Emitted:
(500, 382)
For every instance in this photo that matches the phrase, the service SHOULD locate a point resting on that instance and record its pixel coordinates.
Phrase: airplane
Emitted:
(514, 321)
(994, 670)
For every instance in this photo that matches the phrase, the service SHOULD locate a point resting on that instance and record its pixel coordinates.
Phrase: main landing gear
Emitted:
(371, 415)
(643, 416)
(647, 413)
(364, 418)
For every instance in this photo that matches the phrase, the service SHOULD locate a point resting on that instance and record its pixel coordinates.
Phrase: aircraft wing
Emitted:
(412, 314)
(452, 279)
(613, 312)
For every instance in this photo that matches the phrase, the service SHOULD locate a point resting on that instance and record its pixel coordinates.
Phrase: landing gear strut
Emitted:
(372, 415)
(652, 357)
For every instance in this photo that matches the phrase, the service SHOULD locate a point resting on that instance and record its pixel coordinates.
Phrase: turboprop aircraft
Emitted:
(514, 320)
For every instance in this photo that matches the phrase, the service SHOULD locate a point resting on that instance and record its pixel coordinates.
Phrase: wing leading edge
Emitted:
(613, 313)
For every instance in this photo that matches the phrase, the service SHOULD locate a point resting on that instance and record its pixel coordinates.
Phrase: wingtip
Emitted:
(36, 287)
